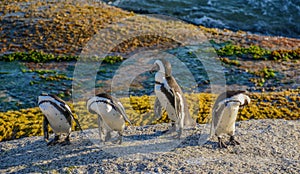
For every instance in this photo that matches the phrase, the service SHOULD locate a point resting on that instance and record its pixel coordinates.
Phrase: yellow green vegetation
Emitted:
(244, 39)
(256, 52)
(273, 105)
(35, 56)
(230, 62)
(56, 77)
(16, 124)
(263, 74)
(40, 56)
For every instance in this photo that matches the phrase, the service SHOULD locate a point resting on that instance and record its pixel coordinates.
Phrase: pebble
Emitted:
(274, 150)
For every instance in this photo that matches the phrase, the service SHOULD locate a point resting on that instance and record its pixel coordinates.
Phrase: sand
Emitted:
(267, 146)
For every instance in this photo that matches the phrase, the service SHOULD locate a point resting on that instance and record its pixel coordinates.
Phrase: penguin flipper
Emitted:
(157, 108)
(119, 107)
(71, 114)
(123, 113)
(179, 112)
(76, 121)
(45, 128)
(179, 107)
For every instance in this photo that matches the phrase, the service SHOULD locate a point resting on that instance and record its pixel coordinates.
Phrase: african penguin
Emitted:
(224, 114)
(58, 115)
(170, 97)
(111, 115)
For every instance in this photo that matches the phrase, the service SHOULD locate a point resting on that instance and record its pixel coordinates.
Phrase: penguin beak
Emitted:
(154, 69)
(242, 106)
(245, 103)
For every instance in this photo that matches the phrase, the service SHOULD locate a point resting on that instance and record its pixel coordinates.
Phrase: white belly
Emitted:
(111, 117)
(57, 121)
(227, 122)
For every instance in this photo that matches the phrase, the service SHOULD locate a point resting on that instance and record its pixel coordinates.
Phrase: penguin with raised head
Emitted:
(224, 114)
(169, 96)
(111, 115)
(58, 115)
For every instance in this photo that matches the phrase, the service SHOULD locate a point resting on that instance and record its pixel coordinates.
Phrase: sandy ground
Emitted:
(267, 146)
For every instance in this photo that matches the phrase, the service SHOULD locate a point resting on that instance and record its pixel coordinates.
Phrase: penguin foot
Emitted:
(233, 142)
(66, 142)
(102, 143)
(169, 131)
(117, 141)
(221, 143)
(165, 132)
(107, 137)
(120, 138)
(54, 141)
(178, 136)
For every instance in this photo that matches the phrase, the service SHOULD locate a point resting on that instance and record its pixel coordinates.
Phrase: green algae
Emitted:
(228, 50)
(230, 62)
(263, 75)
(36, 57)
(56, 77)
(257, 53)
(41, 57)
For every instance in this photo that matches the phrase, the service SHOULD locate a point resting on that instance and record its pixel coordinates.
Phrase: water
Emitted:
(267, 17)
(20, 87)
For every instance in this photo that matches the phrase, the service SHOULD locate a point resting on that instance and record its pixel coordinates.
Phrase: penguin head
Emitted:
(242, 99)
(50, 97)
(162, 66)
(245, 100)
(43, 97)
(88, 105)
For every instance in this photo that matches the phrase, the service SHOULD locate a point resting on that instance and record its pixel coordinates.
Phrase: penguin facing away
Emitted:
(224, 114)
(169, 96)
(58, 115)
(111, 115)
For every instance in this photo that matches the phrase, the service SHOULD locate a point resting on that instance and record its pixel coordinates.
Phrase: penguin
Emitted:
(224, 114)
(111, 115)
(169, 96)
(58, 115)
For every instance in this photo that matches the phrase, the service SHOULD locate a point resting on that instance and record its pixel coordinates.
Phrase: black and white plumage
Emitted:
(58, 115)
(111, 115)
(169, 96)
(224, 115)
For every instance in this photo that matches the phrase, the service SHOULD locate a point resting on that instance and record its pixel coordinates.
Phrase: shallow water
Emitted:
(20, 87)
(277, 18)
